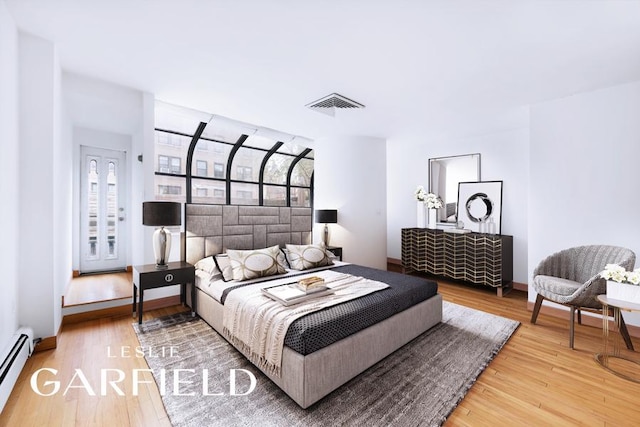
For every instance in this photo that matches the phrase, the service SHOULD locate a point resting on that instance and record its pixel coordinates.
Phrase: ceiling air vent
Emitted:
(330, 103)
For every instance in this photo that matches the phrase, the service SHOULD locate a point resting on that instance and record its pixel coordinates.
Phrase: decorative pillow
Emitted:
(303, 257)
(256, 263)
(207, 265)
(224, 265)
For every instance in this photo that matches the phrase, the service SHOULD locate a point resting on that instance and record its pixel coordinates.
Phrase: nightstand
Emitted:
(336, 250)
(149, 277)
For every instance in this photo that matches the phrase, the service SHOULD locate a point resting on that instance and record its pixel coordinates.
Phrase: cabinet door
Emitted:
(455, 256)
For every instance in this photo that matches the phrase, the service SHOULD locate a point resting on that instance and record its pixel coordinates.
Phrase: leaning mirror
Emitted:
(444, 175)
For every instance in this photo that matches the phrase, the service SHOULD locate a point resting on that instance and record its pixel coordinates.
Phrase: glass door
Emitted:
(102, 200)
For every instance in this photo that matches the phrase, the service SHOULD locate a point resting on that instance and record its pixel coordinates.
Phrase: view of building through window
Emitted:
(230, 164)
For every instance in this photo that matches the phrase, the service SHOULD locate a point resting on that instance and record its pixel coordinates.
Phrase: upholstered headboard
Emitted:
(212, 229)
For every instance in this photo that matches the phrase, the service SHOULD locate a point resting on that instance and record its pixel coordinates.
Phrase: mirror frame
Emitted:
(472, 156)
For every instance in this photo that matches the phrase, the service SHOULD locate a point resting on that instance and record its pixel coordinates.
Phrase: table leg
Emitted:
(193, 299)
(604, 358)
(140, 306)
(135, 294)
(605, 334)
(616, 319)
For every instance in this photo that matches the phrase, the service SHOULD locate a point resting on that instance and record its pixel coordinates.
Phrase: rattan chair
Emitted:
(571, 277)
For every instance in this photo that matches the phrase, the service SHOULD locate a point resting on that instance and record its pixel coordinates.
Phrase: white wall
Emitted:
(584, 180)
(62, 196)
(39, 127)
(503, 156)
(9, 144)
(107, 115)
(350, 176)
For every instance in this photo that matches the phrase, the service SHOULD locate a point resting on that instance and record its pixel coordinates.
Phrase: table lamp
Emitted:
(161, 214)
(326, 216)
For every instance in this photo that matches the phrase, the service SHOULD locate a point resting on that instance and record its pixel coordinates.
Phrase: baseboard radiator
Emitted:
(13, 359)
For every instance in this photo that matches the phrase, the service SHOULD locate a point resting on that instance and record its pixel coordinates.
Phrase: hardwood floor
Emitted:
(91, 288)
(534, 380)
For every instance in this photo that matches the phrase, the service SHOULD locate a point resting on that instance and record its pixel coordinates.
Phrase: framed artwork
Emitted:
(478, 202)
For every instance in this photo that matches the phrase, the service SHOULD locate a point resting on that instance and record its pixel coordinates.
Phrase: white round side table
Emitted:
(603, 358)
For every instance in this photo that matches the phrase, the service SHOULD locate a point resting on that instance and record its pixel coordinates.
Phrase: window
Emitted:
(175, 165)
(244, 173)
(277, 168)
(169, 190)
(169, 139)
(169, 164)
(163, 164)
(201, 168)
(248, 166)
(301, 175)
(275, 196)
(218, 170)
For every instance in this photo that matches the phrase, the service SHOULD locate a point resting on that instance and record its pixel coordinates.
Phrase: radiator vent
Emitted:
(12, 361)
(330, 103)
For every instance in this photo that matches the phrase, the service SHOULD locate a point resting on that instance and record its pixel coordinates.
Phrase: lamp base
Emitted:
(161, 247)
(325, 238)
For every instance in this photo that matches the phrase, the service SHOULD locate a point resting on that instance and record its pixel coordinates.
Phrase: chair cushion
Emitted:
(555, 288)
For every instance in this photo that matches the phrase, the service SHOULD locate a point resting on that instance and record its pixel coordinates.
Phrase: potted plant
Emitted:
(431, 202)
(622, 284)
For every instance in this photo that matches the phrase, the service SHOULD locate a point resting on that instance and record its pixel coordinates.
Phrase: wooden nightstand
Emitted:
(336, 250)
(149, 277)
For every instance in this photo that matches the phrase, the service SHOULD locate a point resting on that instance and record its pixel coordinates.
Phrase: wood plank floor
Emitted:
(535, 380)
(92, 288)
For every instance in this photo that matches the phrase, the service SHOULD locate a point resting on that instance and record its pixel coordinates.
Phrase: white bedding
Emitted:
(214, 286)
(257, 325)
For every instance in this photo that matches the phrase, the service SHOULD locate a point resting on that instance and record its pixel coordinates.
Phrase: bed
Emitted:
(322, 350)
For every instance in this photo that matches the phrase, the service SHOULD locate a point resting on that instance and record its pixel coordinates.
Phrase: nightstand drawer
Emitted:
(148, 277)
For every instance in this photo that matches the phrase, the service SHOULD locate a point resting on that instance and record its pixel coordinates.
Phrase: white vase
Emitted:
(432, 220)
(420, 214)
(623, 291)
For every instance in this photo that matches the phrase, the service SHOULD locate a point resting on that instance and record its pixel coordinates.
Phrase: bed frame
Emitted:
(211, 229)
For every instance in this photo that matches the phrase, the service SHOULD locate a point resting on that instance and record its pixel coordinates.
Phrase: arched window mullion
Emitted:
(263, 165)
(232, 154)
(192, 147)
(290, 172)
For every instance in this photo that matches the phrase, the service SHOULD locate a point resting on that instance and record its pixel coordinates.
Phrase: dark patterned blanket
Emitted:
(320, 329)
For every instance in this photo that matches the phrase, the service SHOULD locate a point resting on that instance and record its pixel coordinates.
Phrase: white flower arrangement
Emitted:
(620, 274)
(420, 193)
(430, 200)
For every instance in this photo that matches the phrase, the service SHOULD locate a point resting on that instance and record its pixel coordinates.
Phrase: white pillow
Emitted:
(256, 263)
(207, 265)
(303, 257)
(224, 265)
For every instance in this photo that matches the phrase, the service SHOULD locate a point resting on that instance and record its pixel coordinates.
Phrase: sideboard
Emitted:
(482, 259)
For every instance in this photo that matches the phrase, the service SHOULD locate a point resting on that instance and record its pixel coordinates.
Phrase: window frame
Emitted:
(226, 175)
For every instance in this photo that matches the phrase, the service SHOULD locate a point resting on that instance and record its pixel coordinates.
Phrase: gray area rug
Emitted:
(420, 384)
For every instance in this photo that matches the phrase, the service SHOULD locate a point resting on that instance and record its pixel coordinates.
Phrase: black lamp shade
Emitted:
(161, 214)
(327, 216)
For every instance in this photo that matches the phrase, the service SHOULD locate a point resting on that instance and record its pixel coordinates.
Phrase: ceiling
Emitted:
(416, 65)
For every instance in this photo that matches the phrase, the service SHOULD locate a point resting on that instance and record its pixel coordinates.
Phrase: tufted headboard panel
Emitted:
(212, 229)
